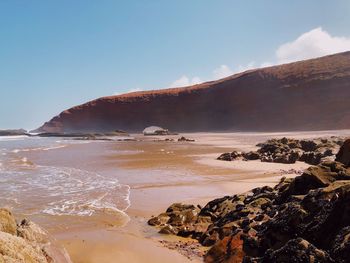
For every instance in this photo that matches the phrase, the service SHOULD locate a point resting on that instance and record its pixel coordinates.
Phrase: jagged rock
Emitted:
(230, 156)
(341, 246)
(318, 176)
(26, 242)
(184, 139)
(313, 158)
(301, 219)
(168, 229)
(343, 155)
(227, 250)
(7, 221)
(159, 220)
(308, 145)
(252, 155)
(225, 157)
(297, 251)
(16, 249)
(32, 232)
(178, 207)
(288, 150)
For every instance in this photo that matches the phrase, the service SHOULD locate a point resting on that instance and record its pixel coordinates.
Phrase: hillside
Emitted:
(307, 95)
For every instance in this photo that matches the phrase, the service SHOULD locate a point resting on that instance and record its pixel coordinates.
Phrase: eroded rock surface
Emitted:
(26, 242)
(343, 155)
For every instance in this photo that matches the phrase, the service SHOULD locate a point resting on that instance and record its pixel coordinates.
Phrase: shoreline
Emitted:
(160, 173)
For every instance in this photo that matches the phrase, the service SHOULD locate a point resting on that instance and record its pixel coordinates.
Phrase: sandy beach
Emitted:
(158, 173)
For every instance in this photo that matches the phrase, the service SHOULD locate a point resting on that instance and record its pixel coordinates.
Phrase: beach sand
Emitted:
(160, 173)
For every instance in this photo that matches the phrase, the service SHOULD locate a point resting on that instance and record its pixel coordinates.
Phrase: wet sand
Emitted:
(159, 173)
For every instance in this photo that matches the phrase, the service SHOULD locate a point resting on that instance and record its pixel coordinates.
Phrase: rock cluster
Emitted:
(184, 139)
(26, 242)
(289, 151)
(301, 219)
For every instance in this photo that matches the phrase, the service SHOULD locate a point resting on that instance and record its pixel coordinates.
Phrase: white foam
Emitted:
(38, 149)
(13, 138)
(65, 191)
(54, 147)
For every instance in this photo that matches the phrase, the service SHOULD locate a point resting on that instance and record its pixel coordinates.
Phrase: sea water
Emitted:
(32, 189)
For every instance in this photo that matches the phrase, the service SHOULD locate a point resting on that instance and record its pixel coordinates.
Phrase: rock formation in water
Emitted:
(306, 95)
(303, 219)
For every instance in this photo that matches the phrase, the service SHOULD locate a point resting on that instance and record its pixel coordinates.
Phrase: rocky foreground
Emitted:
(26, 242)
(288, 150)
(304, 219)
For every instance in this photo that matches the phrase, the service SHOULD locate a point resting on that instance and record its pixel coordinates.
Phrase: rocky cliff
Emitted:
(306, 95)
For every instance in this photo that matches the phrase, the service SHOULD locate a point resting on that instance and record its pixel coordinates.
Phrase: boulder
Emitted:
(7, 222)
(16, 249)
(286, 150)
(230, 156)
(301, 219)
(32, 232)
(313, 158)
(184, 139)
(225, 157)
(343, 155)
(27, 242)
(318, 176)
(161, 219)
(227, 250)
(297, 251)
(308, 145)
(252, 155)
(168, 229)
(341, 246)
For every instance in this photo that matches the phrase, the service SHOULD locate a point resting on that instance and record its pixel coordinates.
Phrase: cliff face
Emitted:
(307, 95)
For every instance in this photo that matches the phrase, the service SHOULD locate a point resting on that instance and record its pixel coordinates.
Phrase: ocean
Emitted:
(35, 188)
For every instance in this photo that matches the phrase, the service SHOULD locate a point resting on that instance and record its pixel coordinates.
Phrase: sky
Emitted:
(57, 54)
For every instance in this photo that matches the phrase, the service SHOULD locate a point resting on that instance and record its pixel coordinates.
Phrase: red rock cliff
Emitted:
(307, 95)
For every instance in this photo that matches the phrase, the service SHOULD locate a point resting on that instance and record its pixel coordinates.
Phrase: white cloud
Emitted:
(266, 64)
(315, 43)
(129, 91)
(225, 71)
(185, 81)
(133, 90)
(242, 68)
(222, 72)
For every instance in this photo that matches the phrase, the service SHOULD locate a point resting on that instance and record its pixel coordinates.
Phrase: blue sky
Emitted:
(56, 54)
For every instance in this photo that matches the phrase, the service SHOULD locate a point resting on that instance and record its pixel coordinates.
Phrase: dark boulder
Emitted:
(343, 155)
(230, 156)
(341, 246)
(252, 155)
(286, 150)
(297, 251)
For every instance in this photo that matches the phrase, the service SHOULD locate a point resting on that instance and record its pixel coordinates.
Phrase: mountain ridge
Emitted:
(305, 95)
